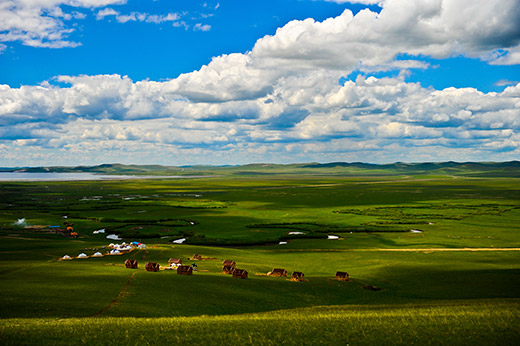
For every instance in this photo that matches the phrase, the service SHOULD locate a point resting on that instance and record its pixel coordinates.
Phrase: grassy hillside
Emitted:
(442, 251)
(487, 323)
(491, 169)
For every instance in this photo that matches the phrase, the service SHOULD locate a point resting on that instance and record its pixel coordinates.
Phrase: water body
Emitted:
(25, 176)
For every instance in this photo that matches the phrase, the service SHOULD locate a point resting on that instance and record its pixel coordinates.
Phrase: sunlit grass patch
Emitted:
(486, 323)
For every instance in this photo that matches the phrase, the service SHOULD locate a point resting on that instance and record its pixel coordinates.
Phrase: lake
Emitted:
(25, 176)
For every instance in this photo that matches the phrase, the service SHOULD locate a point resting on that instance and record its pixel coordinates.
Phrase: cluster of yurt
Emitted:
(114, 249)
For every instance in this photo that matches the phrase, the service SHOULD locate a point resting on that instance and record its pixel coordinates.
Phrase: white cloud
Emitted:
(106, 12)
(138, 16)
(283, 101)
(437, 28)
(367, 41)
(505, 82)
(42, 23)
(202, 27)
(303, 113)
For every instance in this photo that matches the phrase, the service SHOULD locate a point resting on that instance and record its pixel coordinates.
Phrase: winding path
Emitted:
(123, 290)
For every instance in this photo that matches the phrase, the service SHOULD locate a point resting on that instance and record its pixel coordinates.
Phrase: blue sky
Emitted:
(233, 82)
(158, 51)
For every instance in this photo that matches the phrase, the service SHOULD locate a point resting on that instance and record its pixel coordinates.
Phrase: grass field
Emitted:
(494, 323)
(443, 250)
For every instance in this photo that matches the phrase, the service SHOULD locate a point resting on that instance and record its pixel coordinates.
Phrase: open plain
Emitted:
(433, 258)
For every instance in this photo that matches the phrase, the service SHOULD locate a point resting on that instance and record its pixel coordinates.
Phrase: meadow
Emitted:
(441, 249)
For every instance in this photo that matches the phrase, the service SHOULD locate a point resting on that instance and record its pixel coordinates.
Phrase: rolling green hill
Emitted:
(335, 168)
(432, 258)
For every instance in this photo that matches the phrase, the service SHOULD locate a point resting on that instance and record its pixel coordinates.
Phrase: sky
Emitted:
(178, 82)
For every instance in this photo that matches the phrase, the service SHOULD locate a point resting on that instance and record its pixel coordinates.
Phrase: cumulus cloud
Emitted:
(43, 23)
(437, 28)
(370, 114)
(368, 41)
(283, 99)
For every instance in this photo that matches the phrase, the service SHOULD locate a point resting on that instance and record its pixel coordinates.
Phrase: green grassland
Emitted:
(452, 280)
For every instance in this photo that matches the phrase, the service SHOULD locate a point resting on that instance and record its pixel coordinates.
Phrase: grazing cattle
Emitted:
(131, 263)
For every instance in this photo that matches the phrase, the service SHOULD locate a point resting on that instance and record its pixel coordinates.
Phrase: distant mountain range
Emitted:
(510, 169)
